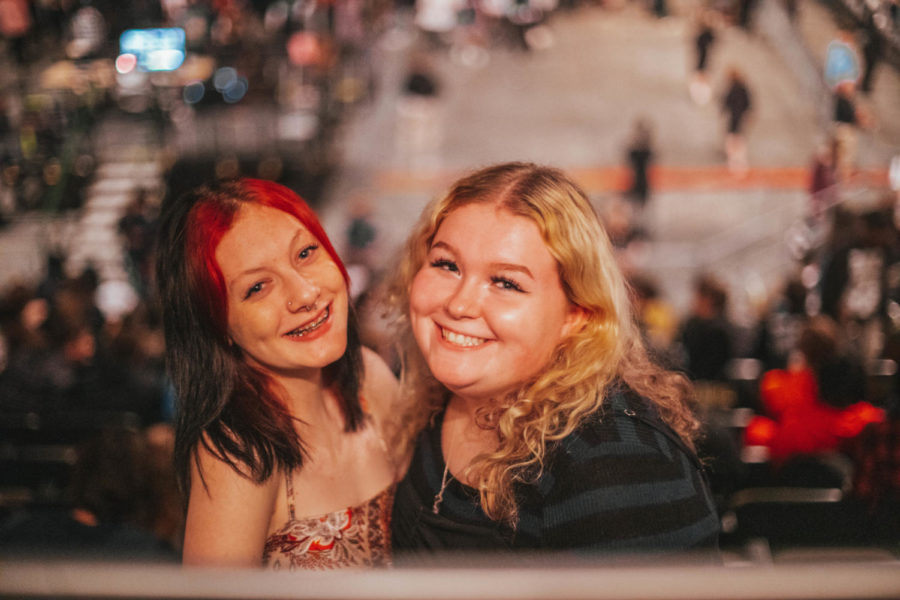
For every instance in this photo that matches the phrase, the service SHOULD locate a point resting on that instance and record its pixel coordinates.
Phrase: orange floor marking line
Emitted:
(615, 179)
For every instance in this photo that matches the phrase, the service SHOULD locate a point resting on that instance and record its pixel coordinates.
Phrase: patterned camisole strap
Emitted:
(354, 536)
(357, 536)
(289, 487)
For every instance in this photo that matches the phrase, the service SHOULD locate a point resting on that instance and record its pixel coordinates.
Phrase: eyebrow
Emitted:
(300, 231)
(498, 266)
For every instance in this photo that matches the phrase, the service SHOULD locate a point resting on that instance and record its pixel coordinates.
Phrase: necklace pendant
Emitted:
(439, 497)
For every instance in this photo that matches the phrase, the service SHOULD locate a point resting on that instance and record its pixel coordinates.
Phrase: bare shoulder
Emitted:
(211, 473)
(381, 389)
(228, 513)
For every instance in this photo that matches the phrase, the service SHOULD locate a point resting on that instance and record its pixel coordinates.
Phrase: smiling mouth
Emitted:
(458, 339)
(302, 331)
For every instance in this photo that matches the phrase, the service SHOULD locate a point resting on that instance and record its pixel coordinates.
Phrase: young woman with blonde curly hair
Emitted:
(540, 422)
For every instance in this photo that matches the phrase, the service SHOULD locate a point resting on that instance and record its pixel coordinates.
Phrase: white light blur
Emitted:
(164, 60)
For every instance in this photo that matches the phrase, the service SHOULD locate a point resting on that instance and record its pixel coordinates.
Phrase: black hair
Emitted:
(233, 409)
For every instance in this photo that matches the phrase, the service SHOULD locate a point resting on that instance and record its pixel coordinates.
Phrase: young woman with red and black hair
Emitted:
(279, 444)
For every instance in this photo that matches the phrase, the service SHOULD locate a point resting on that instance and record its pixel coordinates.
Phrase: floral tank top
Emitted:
(358, 536)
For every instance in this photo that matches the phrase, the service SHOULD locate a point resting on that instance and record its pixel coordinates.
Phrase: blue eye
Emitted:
(505, 283)
(307, 252)
(255, 288)
(446, 265)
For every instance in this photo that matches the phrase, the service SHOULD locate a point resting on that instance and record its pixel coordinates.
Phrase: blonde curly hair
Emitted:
(574, 385)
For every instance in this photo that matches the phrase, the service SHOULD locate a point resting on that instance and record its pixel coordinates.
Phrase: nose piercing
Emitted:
(305, 307)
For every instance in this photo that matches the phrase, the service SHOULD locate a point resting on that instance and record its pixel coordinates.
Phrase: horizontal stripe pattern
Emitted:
(623, 482)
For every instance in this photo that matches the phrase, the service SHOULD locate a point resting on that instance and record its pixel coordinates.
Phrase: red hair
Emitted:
(212, 217)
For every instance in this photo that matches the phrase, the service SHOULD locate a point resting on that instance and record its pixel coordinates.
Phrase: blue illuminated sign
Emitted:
(158, 49)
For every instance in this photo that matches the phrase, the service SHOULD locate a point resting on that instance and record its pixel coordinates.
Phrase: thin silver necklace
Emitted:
(439, 497)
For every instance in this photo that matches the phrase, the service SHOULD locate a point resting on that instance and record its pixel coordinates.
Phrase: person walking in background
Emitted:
(842, 61)
(704, 37)
(736, 103)
(822, 178)
(849, 117)
(660, 8)
(138, 230)
(420, 127)
(872, 48)
(640, 154)
(843, 73)
(745, 13)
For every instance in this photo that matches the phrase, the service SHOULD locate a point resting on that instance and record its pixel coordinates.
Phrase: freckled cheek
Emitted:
(245, 325)
(235, 325)
(331, 278)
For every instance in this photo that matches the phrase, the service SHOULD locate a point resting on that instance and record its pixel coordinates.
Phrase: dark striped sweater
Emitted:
(623, 482)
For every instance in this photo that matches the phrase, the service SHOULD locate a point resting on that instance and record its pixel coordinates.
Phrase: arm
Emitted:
(228, 518)
(621, 485)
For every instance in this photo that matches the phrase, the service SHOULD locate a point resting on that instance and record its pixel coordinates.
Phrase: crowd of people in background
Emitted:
(818, 340)
(45, 155)
(821, 353)
(59, 81)
(60, 353)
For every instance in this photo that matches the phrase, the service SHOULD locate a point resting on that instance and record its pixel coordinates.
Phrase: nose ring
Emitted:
(305, 307)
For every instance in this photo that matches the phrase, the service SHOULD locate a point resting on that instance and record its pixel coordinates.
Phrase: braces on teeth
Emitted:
(311, 327)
